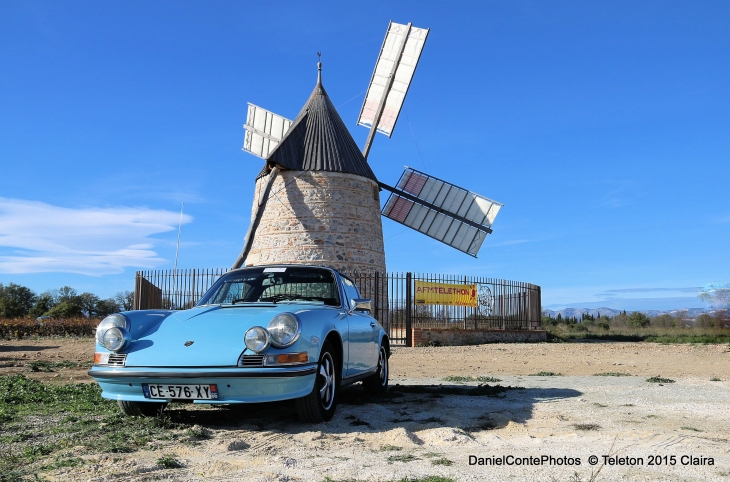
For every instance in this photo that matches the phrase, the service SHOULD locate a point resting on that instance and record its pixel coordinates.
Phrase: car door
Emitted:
(363, 334)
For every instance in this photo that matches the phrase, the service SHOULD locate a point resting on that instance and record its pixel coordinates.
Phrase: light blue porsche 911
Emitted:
(258, 335)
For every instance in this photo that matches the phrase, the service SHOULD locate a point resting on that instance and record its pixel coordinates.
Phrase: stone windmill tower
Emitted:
(318, 202)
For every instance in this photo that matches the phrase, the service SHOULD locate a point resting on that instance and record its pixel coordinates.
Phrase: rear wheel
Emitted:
(377, 384)
(319, 406)
(141, 409)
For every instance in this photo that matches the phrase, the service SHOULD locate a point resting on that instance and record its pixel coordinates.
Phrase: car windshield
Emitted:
(274, 284)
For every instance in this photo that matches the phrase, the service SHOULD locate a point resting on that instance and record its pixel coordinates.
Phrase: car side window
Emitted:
(350, 291)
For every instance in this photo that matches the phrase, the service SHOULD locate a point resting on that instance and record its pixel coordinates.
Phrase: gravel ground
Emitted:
(424, 429)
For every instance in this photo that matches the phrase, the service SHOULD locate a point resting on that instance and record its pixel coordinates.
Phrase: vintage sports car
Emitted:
(258, 335)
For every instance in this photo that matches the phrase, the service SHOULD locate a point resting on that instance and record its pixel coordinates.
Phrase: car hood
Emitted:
(207, 336)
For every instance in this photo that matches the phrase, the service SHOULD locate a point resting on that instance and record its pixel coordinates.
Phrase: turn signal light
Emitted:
(101, 358)
(294, 357)
(287, 358)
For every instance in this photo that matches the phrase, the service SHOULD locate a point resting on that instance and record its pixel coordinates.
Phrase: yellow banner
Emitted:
(445, 294)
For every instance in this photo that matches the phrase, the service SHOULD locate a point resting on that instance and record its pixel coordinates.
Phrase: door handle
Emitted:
(372, 324)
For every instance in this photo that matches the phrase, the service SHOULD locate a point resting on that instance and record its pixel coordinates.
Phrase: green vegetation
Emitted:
(586, 426)
(46, 366)
(546, 374)
(402, 458)
(704, 329)
(612, 374)
(691, 429)
(483, 379)
(715, 379)
(169, 462)
(659, 380)
(70, 419)
(442, 461)
(390, 448)
(17, 301)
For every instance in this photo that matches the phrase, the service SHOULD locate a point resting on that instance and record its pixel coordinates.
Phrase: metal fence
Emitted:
(502, 304)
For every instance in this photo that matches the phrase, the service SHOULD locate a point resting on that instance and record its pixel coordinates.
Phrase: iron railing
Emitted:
(503, 304)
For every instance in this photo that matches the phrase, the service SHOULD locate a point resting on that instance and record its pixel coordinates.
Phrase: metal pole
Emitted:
(179, 228)
(409, 326)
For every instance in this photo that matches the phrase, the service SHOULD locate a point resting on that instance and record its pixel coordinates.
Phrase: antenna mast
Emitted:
(179, 228)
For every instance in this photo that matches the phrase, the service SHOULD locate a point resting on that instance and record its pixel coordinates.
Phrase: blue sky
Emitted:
(602, 126)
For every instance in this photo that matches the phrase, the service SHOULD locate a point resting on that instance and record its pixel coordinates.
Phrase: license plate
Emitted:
(180, 392)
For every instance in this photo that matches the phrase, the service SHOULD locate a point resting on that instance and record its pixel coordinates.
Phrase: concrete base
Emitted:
(449, 337)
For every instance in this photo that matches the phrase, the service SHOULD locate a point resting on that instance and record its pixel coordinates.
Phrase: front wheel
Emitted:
(319, 406)
(377, 384)
(141, 409)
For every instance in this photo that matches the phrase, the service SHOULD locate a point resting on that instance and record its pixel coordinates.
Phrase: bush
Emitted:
(638, 320)
(705, 321)
(64, 309)
(24, 327)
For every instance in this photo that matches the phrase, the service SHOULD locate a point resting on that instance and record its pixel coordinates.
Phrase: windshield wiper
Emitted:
(280, 297)
(239, 300)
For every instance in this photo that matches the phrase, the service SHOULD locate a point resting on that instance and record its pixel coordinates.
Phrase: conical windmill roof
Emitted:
(319, 141)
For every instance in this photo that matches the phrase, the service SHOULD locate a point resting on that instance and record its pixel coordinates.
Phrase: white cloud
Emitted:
(36, 237)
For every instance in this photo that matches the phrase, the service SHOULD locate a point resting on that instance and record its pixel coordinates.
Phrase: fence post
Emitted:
(376, 297)
(409, 330)
(137, 292)
(502, 308)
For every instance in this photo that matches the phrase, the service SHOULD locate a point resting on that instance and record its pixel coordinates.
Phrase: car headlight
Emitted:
(257, 339)
(111, 321)
(115, 338)
(284, 329)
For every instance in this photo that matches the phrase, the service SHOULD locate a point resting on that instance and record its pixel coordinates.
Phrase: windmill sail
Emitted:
(264, 131)
(391, 79)
(446, 212)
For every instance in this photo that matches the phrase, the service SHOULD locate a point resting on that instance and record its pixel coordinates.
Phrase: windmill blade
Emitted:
(264, 131)
(391, 79)
(446, 212)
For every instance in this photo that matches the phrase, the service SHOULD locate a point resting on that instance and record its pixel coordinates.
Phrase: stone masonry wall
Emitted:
(318, 217)
(441, 337)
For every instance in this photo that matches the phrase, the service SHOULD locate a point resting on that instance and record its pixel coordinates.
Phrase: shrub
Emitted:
(638, 320)
(705, 321)
(64, 309)
(25, 327)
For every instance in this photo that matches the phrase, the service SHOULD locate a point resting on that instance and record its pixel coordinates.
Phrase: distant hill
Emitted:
(577, 312)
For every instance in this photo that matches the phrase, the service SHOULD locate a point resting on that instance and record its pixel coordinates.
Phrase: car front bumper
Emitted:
(235, 385)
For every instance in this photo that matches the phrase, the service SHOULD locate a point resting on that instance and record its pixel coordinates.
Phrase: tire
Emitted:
(377, 384)
(141, 409)
(319, 406)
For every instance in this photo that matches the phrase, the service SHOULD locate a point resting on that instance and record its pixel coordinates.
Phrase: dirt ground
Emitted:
(660, 431)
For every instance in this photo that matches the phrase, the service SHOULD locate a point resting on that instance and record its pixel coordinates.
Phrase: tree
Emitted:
(106, 307)
(15, 300)
(43, 303)
(65, 309)
(68, 294)
(705, 321)
(716, 294)
(638, 319)
(87, 302)
(665, 321)
(125, 300)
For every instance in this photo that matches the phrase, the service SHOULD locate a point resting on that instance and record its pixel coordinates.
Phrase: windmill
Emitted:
(327, 202)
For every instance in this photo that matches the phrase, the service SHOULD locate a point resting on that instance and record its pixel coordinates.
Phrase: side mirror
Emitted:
(361, 304)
